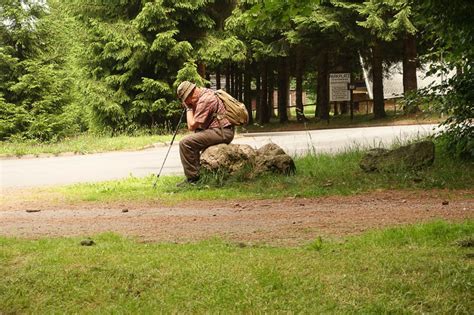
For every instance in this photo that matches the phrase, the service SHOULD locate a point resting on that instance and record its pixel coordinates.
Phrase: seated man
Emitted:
(205, 116)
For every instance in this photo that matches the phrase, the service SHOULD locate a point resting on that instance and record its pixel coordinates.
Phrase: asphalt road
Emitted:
(37, 172)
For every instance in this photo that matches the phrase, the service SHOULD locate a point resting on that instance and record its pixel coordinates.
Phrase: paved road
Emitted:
(36, 172)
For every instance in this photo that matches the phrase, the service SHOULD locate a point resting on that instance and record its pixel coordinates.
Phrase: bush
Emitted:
(458, 103)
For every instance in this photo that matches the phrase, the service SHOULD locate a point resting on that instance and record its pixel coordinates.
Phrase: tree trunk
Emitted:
(299, 85)
(344, 108)
(208, 79)
(248, 91)
(227, 79)
(283, 90)
(232, 80)
(409, 67)
(271, 88)
(322, 100)
(377, 88)
(409, 64)
(218, 78)
(241, 90)
(239, 84)
(201, 68)
(265, 115)
(152, 124)
(258, 97)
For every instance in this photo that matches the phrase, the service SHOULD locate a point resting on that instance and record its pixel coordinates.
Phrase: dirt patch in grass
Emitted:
(288, 221)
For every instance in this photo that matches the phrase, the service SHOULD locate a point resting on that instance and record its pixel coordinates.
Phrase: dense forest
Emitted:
(113, 66)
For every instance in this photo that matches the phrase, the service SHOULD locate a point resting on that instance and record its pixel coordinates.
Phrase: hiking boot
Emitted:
(188, 181)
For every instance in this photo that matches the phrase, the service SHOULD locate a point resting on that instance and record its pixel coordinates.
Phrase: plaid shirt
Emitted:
(208, 104)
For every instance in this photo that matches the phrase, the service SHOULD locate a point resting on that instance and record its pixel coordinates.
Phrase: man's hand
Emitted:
(192, 124)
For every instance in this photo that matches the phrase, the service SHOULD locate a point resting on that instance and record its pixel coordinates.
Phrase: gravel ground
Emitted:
(289, 221)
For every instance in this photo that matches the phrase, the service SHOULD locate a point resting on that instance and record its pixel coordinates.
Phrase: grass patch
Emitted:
(82, 144)
(416, 269)
(316, 175)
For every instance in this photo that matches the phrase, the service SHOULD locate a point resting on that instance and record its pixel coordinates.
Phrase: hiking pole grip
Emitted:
(171, 144)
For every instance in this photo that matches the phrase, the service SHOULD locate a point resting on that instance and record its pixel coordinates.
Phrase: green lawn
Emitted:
(82, 144)
(317, 175)
(416, 269)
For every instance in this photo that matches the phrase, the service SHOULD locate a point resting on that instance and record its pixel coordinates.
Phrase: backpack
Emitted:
(236, 113)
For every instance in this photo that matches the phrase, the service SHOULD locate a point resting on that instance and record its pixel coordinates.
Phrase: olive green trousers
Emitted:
(191, 146)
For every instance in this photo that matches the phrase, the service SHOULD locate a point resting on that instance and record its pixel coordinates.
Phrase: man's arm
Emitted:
(192, 124)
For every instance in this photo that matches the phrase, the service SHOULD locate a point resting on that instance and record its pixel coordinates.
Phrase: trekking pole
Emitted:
(171, 144)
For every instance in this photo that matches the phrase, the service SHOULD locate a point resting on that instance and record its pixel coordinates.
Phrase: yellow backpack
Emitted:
(236, 113)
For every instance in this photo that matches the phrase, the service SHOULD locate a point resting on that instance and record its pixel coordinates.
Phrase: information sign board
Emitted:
(338, 87)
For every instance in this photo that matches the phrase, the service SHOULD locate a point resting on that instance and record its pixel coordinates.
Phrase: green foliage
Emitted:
(263, 26)
(116, 72)
(457, 101)
(34, 87)
(450, 31)
(387, 20)
(217, 51)
(136, 59)
(188, 73)
(113, 66)
(326, 27)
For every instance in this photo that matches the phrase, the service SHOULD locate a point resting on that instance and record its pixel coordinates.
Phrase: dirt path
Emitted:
(289, 221)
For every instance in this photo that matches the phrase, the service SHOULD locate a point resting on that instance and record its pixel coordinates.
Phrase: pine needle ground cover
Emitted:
(413, 269)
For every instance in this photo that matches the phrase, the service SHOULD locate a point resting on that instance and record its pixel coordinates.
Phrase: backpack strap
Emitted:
(218, 116)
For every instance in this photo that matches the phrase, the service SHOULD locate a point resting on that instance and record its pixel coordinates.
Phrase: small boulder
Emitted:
(238, 158)
(412, 157)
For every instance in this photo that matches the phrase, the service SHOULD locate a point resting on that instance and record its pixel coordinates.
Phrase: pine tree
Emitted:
(386, 21)
(34, 88)
(135, 50)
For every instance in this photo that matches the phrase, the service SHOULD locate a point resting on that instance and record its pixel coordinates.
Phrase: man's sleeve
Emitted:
(204, 110)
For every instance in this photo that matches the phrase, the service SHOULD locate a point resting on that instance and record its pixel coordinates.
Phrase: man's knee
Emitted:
(185, 144)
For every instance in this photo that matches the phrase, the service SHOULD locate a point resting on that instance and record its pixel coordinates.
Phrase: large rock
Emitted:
(410, 157)
(272, 158)
(243, 159)
(230, 158)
